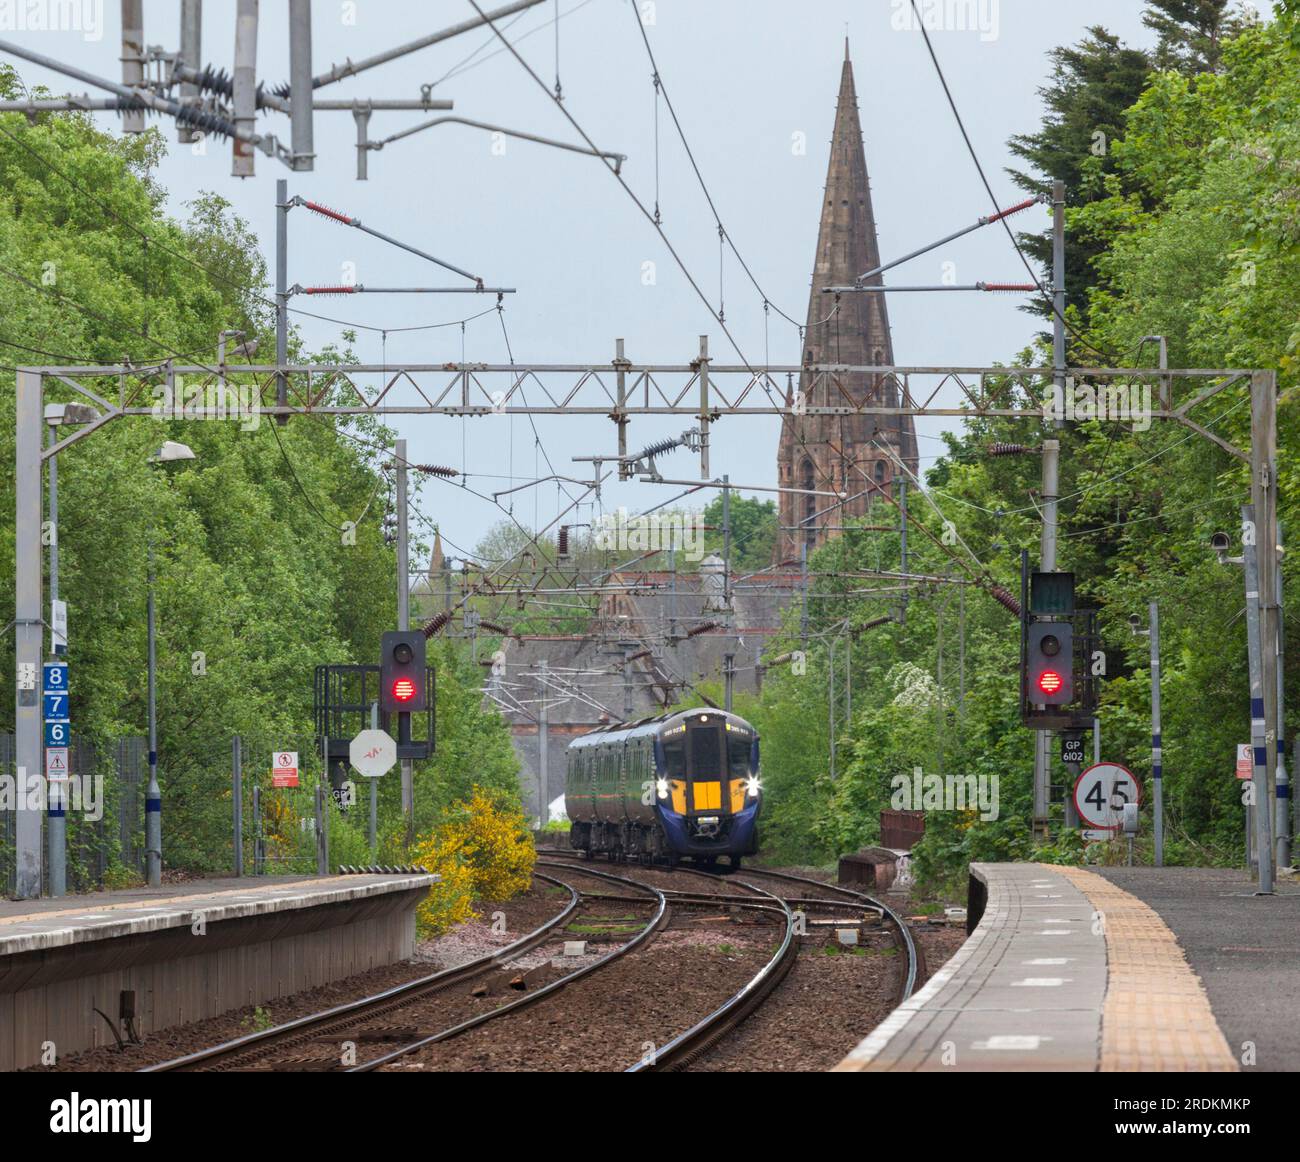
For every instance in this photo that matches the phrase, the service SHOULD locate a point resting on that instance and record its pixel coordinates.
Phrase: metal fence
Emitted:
(105, 818)
(268, 830)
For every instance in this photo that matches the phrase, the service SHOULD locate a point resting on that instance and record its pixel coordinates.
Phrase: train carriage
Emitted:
(679, 785)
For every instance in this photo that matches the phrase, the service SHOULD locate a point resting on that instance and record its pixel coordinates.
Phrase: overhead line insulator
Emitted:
(326, 212)
(1000, 449)
(1004, 598)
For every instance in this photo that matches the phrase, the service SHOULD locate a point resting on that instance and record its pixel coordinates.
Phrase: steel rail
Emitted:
(905, 940)
(712, 1028)
(657, 921)
(905, 933)
(381, 1002)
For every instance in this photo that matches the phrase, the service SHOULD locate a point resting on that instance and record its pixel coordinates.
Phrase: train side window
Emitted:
(738, 756)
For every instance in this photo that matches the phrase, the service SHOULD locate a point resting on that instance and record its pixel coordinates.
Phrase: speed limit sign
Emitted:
(1100, 793)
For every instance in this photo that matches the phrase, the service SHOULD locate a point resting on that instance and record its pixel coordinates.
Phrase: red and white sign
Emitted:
(1245, 761)
(56, 764)
(1100, 793)
(284, 769)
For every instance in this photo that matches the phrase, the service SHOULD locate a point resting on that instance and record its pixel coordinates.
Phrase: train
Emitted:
(680, 785)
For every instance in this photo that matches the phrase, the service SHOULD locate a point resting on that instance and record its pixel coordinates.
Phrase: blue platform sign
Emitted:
(56, 677)
(56, 707)
(56, 733)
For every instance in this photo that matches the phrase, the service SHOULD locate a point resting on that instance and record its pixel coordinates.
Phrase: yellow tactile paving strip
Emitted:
(1156, 1016)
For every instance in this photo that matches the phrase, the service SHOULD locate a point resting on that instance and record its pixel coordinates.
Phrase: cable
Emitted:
(661, 88)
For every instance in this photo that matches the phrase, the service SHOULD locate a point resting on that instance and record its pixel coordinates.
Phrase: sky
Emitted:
(750, 80)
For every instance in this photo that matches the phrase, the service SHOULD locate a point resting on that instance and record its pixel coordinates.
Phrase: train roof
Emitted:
(618, 731)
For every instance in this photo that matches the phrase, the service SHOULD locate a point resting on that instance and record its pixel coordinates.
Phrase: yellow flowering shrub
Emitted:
(483, 851)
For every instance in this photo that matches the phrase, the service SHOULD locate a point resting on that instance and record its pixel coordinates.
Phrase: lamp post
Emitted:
(169, 452)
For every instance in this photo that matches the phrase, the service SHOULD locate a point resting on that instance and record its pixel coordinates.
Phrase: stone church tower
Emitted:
(853, 453)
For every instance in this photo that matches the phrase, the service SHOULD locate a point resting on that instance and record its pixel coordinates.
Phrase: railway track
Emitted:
(914, 958)
(295, 1044)
(251, 1050)
(707, 1032)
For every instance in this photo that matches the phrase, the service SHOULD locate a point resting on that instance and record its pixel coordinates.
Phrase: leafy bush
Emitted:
(483, 851)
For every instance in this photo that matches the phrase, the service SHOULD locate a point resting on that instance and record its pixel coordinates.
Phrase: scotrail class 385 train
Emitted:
(684, 784)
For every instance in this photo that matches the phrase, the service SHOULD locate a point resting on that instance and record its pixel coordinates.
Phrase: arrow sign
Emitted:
(372, 753)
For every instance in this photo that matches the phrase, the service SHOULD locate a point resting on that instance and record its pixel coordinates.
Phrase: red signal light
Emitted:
(1049, 681)
(403, 689)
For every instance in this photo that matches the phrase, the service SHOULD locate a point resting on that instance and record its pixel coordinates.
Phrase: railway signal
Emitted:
(402, 677)
(1049, 657)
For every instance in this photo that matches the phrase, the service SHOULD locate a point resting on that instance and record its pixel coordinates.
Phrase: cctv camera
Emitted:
(1134, 621)
(1219, 542)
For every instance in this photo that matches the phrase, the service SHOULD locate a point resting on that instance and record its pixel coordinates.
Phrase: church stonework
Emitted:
(855, 454)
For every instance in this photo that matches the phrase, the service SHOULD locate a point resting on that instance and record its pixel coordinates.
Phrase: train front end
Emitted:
(707, 791)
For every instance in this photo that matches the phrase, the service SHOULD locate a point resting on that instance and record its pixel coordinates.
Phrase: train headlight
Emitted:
(662, 787)
(752, 786)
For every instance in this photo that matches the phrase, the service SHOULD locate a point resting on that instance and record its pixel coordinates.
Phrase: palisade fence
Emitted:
(105, 830)
(277, 832)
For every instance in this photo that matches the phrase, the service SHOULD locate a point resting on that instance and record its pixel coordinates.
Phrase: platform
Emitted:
(1065, 971)
(188, 952)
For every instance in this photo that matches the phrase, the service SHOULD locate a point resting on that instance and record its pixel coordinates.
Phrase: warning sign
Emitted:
(56, 764)
(1245, 761)
(284, 768)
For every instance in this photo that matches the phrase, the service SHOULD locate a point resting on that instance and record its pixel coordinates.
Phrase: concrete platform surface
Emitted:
(1065, 971)
(70, 968)
(1245, 949)
(33, 925)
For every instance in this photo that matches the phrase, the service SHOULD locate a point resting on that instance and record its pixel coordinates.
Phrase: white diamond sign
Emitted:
(372, 753)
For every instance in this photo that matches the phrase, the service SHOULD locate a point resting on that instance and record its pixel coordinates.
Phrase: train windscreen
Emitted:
(706, 753)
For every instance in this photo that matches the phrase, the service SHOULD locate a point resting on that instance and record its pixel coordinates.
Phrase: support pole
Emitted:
(191, 56)
(620, 378)
(27, 634)
(57, 812)
(374, 792)
(543, 748)
(703, 365)
(361, 117)
(1047, 554)
(281, 294)
(245, 87)
(404, 619)
(1283, 823)
(237, 800)
(1263, 464)
(300, 87)
(1260, 750)
(133, 59)
(259, 849)
(1157, 762)
(153, 796)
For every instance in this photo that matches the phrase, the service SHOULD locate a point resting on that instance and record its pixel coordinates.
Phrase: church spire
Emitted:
(853, 453)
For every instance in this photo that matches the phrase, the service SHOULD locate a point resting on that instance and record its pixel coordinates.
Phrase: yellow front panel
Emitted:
(708, 796)
(738, 787)
(678, 788)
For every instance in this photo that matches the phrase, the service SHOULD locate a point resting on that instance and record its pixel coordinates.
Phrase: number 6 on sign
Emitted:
(1101, 792)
